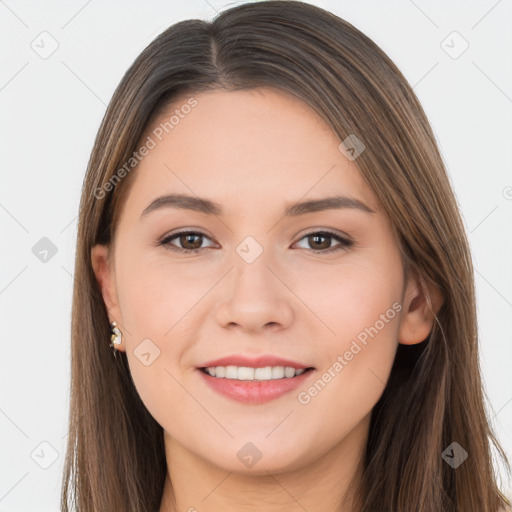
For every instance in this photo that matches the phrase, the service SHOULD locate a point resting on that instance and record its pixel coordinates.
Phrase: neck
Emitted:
(325, 485)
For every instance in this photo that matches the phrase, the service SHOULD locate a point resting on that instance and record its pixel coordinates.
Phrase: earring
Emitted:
(115, 337)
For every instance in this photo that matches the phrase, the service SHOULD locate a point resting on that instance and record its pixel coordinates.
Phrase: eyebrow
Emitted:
(197, 204)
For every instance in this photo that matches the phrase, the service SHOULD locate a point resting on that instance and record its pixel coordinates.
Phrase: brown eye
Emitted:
(320, 241)
(189, 241)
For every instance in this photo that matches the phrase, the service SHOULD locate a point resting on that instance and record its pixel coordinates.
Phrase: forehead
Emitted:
(247, 148)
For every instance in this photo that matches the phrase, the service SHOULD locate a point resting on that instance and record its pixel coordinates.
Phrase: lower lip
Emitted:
(255, 391)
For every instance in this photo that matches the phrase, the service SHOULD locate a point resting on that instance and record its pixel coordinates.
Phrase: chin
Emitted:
(260, 456)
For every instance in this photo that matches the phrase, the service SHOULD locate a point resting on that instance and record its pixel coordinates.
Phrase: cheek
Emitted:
(362, 308)
(350, 297)
(157, 303)
(154, 296)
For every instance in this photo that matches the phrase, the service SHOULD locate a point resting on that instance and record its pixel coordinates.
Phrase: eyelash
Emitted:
(345, 243)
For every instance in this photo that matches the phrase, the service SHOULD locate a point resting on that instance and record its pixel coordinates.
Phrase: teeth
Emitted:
(246, 373)
(263, 373)
(231, 372)
(289, 372)
(278, 372)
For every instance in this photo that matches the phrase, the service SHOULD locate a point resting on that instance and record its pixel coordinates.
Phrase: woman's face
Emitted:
(265, 282)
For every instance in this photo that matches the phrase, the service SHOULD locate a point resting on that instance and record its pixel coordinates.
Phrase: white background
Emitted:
(51, 109)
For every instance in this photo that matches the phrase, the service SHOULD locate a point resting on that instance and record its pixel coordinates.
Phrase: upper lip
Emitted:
(254, 362)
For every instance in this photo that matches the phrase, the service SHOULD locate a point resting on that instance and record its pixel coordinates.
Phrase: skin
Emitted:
(255, 152)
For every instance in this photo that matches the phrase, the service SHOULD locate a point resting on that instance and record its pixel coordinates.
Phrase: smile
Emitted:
(248, 373)
(254, 385)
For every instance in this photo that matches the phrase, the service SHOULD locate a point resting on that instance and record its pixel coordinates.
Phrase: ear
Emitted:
(421, 305)
(102, 264)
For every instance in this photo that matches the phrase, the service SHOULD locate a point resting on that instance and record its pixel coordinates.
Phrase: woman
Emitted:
(269, 241)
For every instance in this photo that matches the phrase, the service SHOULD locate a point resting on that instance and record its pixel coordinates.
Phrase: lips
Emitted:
(254, 392)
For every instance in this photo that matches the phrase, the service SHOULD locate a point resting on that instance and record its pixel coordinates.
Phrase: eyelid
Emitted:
(318, 229)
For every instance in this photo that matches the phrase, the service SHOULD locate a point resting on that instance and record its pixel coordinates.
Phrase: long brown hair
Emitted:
(115, 455)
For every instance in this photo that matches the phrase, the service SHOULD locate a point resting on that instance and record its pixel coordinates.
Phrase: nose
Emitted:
(255, 298)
